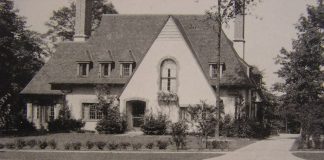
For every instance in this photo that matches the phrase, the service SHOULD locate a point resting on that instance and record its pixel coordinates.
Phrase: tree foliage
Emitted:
(301, 70)
(20, 57)
(61, 23)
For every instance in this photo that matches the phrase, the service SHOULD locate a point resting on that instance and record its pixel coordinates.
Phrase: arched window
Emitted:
(168, 73)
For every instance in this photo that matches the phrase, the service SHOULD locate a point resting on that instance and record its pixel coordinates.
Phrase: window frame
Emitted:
(94, 113)
(81, 69)
(130, 69)
(102, 69)
(51, 115)
(213, 70)
(169, 78)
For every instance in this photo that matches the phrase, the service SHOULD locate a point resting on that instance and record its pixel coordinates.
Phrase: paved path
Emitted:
(275, 148)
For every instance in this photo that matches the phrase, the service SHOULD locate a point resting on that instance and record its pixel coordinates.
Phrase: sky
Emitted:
(269, 27)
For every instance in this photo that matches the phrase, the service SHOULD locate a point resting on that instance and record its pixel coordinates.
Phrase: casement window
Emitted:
(83, 69)
(213, 70)
(51, 113)
(184, 114)
(105, 69)
(38, 112)
(126, 69)
(90, 111)
(168, 81)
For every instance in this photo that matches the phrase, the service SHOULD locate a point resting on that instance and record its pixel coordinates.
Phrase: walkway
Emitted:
(275, 148)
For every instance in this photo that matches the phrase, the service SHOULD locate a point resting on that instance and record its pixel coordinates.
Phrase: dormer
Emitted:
(83, 68)
(213, 69)
(127, 64)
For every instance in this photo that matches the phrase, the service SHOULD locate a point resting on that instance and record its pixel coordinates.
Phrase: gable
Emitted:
(170, 44)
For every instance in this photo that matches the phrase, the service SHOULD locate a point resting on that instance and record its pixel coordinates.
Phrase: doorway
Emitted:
(135, 113)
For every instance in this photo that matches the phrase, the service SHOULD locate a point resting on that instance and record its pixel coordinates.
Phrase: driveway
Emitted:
(275, 148)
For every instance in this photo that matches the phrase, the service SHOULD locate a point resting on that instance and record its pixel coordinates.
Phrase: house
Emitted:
(152, 64)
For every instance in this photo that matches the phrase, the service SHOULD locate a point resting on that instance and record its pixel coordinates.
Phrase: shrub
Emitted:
(42, 144)
(24, 126)
(10, 145)
(220, 144)
(113, 123)
(162, 144)
(113, 146)
(52, 143)
(89, 144)
(101, 145)
(64, 123)
(149, 145)
(1, 146)
(76, 145)
(137, 146)
(179, 132)
(124, 145)
(32, 143)
(155, 125)
(67, 146)
(20, 143)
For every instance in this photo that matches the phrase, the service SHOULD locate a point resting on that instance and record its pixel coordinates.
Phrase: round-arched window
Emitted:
(168, 81)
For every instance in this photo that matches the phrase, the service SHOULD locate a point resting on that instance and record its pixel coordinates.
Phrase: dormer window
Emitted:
(105, 69)
(213, 70)
(83, 69)
(126, 69)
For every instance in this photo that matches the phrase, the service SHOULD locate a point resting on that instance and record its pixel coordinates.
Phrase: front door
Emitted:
(138, 110)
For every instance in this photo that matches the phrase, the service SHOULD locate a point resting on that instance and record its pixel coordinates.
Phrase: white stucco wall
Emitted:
(192, 85)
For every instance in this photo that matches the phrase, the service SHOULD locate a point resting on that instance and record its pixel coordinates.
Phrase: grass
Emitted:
(104, 156)
(310, 156)
(63, 138)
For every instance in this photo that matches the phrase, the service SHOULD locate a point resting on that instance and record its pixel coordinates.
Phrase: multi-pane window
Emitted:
(51, 113)
(38, 112)
(83, 69)
(105, 69)
(213, 70)
(126, 69)
(168, 76)
(94, 112)
(184, 114)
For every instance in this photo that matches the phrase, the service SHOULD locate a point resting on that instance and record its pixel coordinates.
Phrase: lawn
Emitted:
(63, 138)
(310, 156)
(104, 156)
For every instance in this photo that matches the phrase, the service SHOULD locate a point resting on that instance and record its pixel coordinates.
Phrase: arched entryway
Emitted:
(135, 110)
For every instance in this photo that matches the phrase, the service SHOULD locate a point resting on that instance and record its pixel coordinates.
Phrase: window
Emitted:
(105, 69)
(126, 69)
(51, 113)
(184, 114)
(168, 76)
(37, 112)
(83, 69)
(93, 112)
(213, 70)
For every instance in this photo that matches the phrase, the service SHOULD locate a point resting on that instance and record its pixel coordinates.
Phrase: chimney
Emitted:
(239, 28)
(82, 20)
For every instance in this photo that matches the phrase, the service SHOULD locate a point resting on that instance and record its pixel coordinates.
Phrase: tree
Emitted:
(222, 13)
(301, 70)
(20, 58)
(61, 24)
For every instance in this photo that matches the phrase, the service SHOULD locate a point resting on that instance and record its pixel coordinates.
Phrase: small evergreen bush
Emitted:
(67, 146)
(155, 125)
(137, 146)
(89, 144)
(100, 145)
(113, 146)
(162, 144)
(124, 145)
(20, 143)
(112, 123)
(32, 143)
(220, 144)
(10, 145)
(42, 144)
(149, 145)
(2, 146)
(52, 143)
(76, 145)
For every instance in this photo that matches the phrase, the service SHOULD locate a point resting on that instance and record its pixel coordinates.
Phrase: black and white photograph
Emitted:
(161, 79)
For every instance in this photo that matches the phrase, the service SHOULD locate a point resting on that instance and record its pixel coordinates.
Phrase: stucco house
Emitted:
(152, 63)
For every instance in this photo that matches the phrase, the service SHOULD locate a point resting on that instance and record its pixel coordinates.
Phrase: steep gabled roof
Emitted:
(121, 38)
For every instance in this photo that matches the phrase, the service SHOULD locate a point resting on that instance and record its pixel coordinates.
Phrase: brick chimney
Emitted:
(82, 20)
(239, 28)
